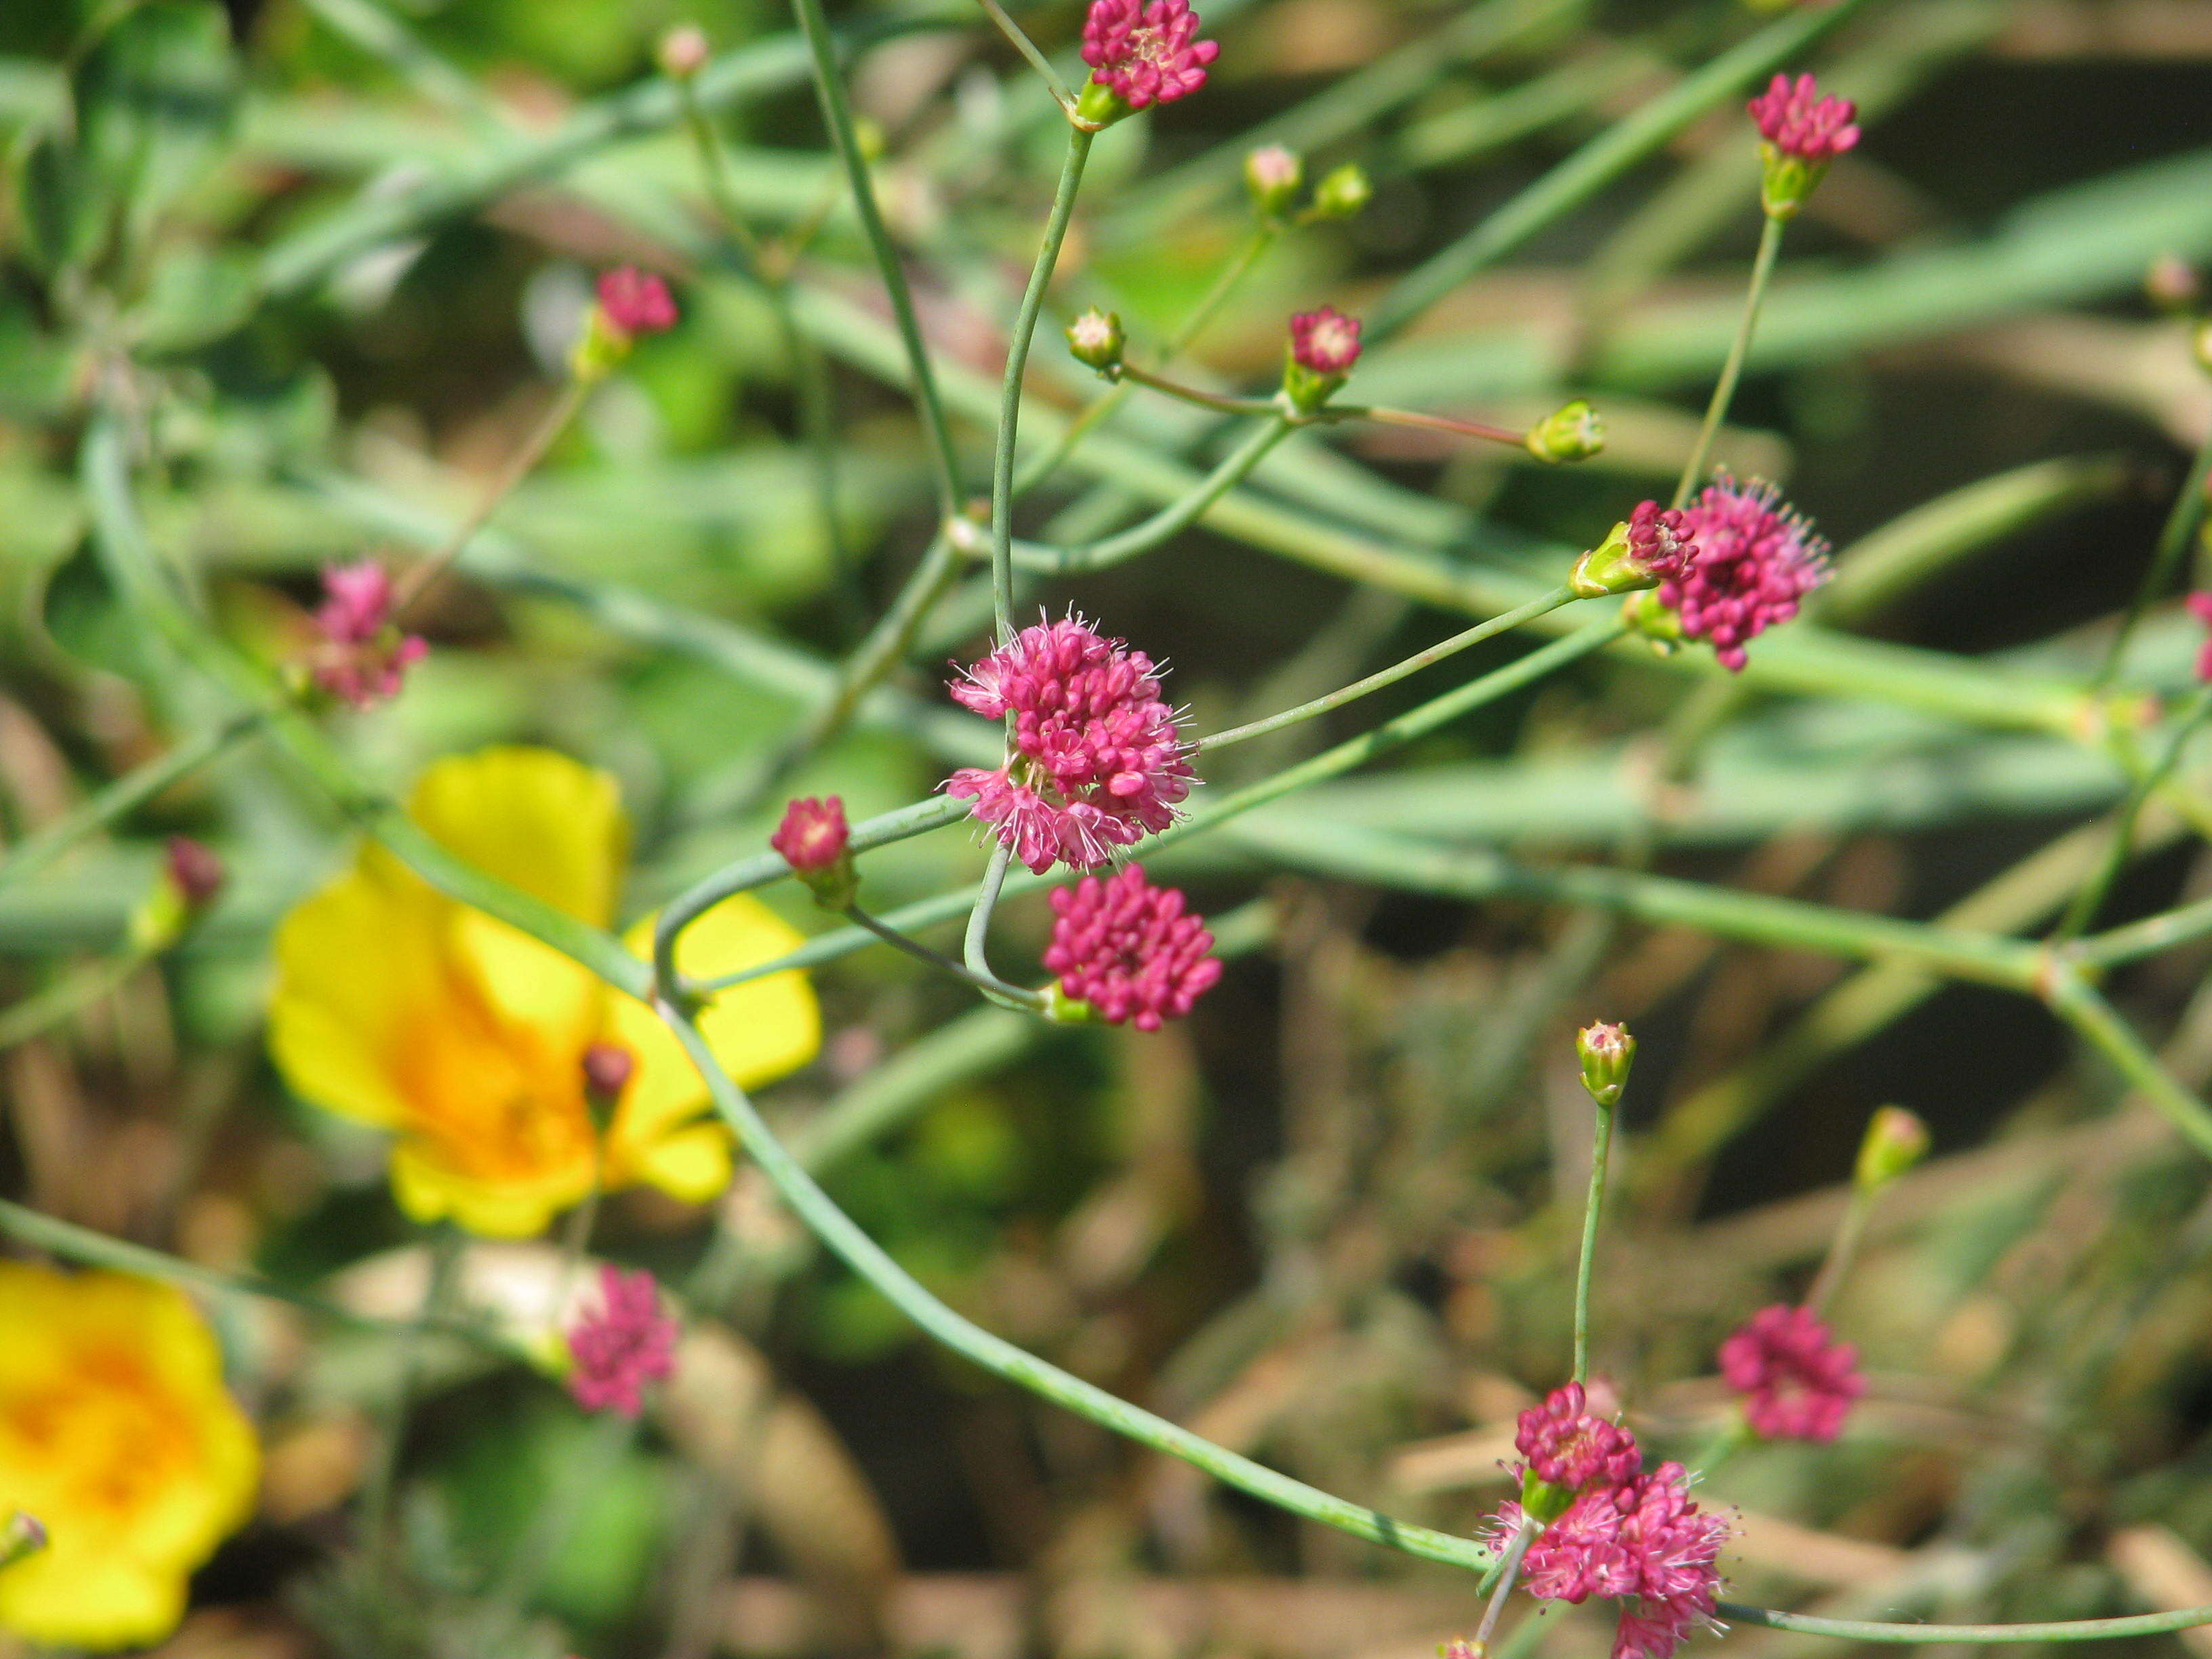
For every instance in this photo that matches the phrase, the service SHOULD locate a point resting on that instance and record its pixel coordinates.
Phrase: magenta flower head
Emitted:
(2200, 606)
(363, 656)
(816, 843)
(620, 1346)
(1568, 1448)
(1800, 133)
(1755, 563)
(1643, 1540)
(1130, 951)
(1648, 547)
(1324, 347)
(637, 301)
(1096, 762)
(1141, 52)
(1797, 1382)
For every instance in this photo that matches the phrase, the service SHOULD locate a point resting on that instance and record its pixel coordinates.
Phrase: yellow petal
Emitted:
(429, 1189)
(70, 1598)
(525, 983)
(357, 966)
(534, 818)
(692, 1164)
(764, 1028)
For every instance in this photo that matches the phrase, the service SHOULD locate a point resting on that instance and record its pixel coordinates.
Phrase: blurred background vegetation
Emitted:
(347, 243)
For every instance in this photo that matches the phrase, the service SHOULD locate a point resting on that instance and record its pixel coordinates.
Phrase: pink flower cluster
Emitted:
(1130, 949)
(1326, 342)
(1097, 759)
(1661, 540)
(2200, 606)
(1798, 121)
(1143, 50)
(1630, 1533)
(1797, 1382)
(1755, 562)
(623, 1344)
(637, 301)
(363, 657)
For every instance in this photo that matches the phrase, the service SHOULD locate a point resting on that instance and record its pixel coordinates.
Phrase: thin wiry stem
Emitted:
(1028, 48)
(1010, 389)
(1593, 1210)
(1762, 272)
(990, 985)
(2180, 528)
(837, 112)
(2119, 847)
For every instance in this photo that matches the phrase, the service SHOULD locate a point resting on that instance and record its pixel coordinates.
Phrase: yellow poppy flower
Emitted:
(117, 1435)
(464, 1037)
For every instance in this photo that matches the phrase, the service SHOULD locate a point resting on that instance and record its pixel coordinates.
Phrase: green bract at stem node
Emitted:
(1611, 567)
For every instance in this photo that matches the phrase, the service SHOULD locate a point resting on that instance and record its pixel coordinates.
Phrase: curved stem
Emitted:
(975, 946)
(1392, 675)
(1047, 462)
(1762, 271)
(1382, 415)
(1010, 391)
(1028, 48)
(1003, 1359)
(1843, 1248)
(1593, 1208)
(1170, 520)
(36, 851)
(837, 112)
(2078, 1630)
(989, 984)
(1219, 403)
(2089, 898)
(2188, 511)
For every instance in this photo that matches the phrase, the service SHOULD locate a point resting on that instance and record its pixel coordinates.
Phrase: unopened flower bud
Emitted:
(631, 303)
(682, 51)
(1659, 623)
(1895, 1140)
(1324, 347)
(195, 872)
(1342, 193)
(2172, 284)
(607, 1067)
(1800, 132)
(816, 841)
(1574, 433)
(1606, 1052)
(1272, 174)
(191, 877)
(1096, 341)
(1643, 549)
(23, 1536)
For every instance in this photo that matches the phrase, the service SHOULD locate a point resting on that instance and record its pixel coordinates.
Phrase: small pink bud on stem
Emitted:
(682, 51)
(817, 842)
(195, 872)
(1896, 1139)
(631, 304)
(21, 1537)
(1801, 133)
(607, 1069)
(1324, 347)
(1606, 1053)
(1272, 176)
(1096, 340)
(1648, 547)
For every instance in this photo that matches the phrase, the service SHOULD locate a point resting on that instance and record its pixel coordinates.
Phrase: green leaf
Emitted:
(63, 215)
(155, 101)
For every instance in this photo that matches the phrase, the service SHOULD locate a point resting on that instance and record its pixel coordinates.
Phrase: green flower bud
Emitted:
(1342, 193)
(1895, 1140)
(1574, 433)
(1096, 341)
(1644, 614)
(1273, 175)
(1606, 1052)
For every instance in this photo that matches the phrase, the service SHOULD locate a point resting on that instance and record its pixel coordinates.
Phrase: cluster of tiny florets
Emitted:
(1799, 122)
(1326, 342)
(362, 657)
(621, 1344)
(1661, 539)
(1796, 1380)
(1143, 50)
(1630, 1534)
(1098, 762)
(1754, 563)
(1132, 951)
(637, 301)
(814, 834)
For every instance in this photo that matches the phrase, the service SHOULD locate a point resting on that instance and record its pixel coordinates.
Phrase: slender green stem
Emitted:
(837, 112)
(992, 985)
(35, 851)
(1221, 402)
(383, 1477)
(2119, 847)
(1509, 1570)
(1392, 675)
(425, 574)
(1010, 389)
(975, 946)
(1593, 1211)
(2096, 1020)
(1003, 1359)
(1028, 48)
(1843, 1248)
(70, 994)
(2144, 938)
(2078, 1630)
(2173, 539)
(1170, 520)
(1724, 1443)
(1762, 272)
(1046, 462)
(1385, 416)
